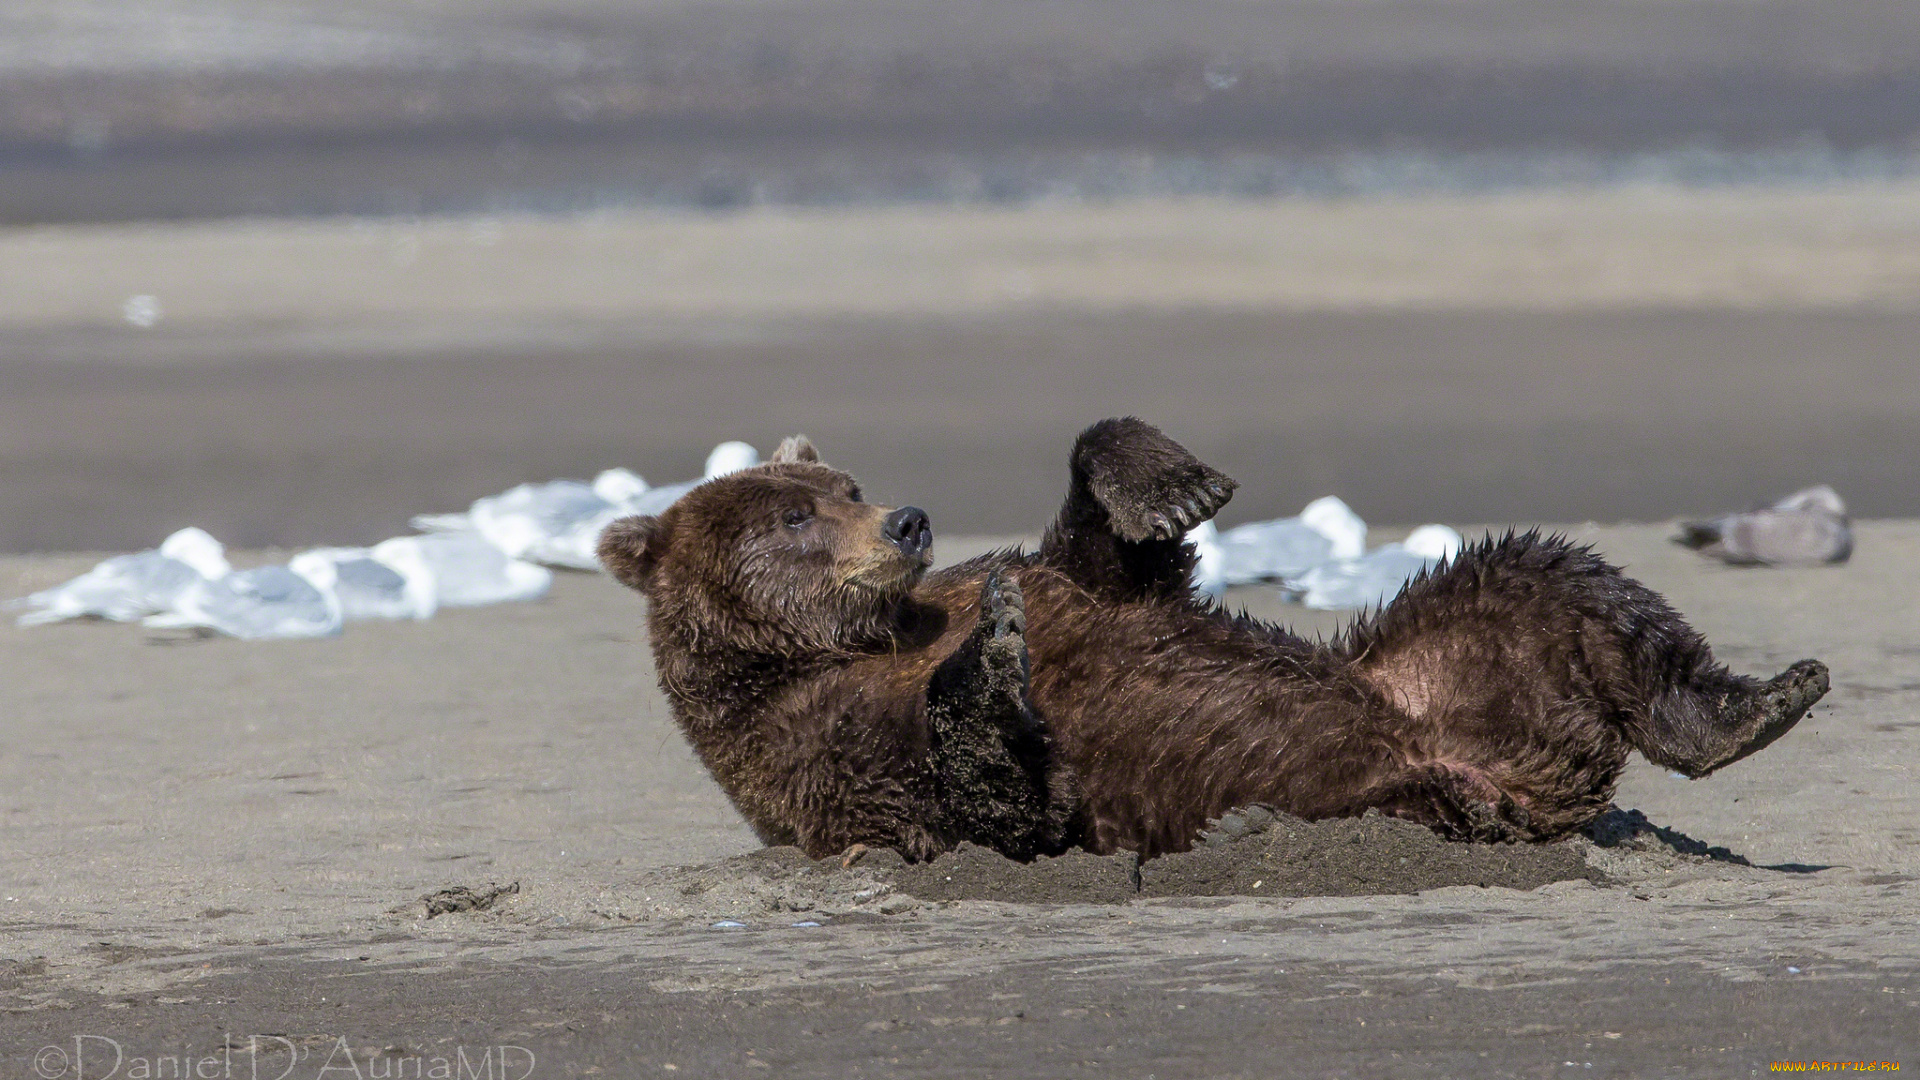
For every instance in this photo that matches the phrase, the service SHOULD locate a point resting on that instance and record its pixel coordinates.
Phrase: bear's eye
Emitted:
(797, 518)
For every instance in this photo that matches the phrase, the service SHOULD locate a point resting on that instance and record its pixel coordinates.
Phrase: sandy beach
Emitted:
(212, 837)
(232, 852)
(295, 272)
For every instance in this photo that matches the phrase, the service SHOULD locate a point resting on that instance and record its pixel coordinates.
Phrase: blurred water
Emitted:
(506, 176)
(130, 109)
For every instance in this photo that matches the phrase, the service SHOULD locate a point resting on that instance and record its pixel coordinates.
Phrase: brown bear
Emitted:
(1082, 695)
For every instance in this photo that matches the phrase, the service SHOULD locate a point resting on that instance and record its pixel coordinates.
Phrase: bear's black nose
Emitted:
(909, 530)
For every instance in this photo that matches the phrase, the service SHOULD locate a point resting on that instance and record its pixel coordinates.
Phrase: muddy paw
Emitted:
(1781, 703)
(1003, 622)
(1002, 606)
(1792, 692)
(1500, 822)
(1004, 663)
(1150, 486)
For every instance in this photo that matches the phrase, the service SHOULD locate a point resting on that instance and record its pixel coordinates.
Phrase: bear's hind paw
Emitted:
(1780, 703)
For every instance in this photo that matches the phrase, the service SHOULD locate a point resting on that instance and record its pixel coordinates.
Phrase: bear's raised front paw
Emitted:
(1166, 506)
(1149, 485)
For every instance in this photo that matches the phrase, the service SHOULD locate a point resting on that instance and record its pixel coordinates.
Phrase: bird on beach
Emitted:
(496, 552)
(1319, 556)
(1807, 528)
(396, 584)
(1374, 578)
(467, 570)
(126, 588)
(728, 457)
(558, 523)
(268, 603)
(1279, 549)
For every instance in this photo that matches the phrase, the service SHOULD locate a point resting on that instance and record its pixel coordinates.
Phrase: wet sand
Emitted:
(213, 837)
(1571, 356)
(1409, 417)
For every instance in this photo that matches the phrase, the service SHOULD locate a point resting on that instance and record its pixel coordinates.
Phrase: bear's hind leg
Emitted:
(1132, 496)
(1457, 802)
(1532, 648)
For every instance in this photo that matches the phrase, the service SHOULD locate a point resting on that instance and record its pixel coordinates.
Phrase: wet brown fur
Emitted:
(1497, 698)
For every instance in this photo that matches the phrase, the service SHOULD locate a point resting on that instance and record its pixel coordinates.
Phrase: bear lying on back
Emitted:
(1081, 695)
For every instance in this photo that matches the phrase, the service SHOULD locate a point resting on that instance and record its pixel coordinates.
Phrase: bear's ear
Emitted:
(795, 448)
(628, 550)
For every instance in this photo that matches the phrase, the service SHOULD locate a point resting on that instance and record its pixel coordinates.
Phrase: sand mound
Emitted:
(1256, 852)
(1250, 852)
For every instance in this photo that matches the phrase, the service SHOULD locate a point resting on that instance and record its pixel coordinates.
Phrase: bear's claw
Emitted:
(1003, 606)
(1003, 615)
(1149, 485)
(1003, 643)
(1167, 506)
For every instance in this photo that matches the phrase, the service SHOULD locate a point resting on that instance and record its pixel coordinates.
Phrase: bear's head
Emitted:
(783, 559)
